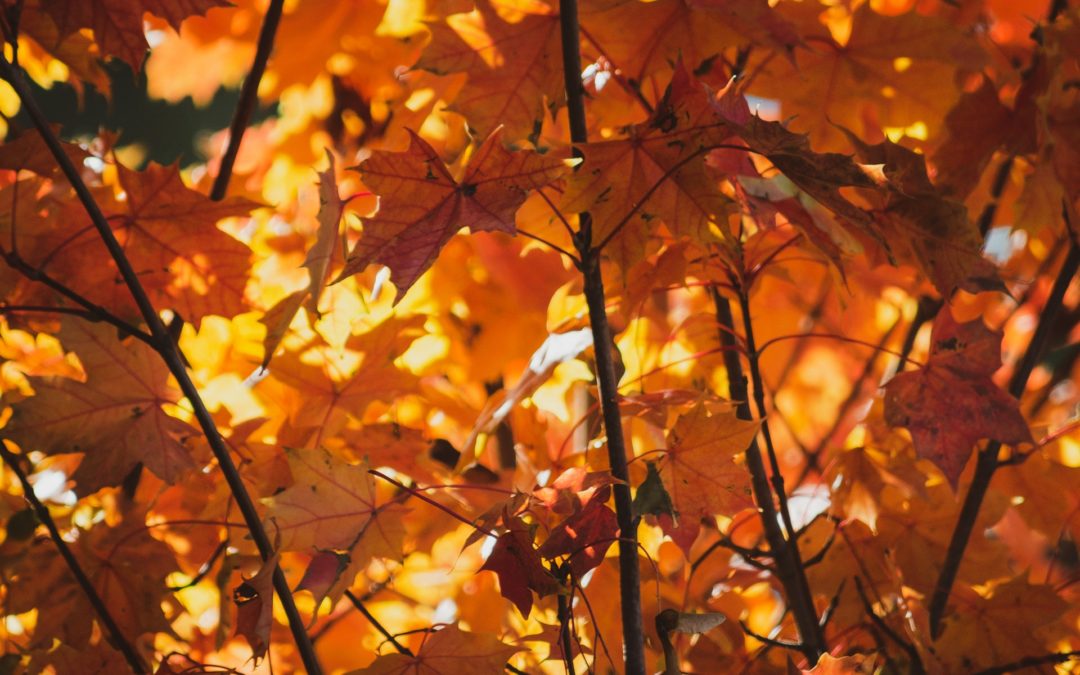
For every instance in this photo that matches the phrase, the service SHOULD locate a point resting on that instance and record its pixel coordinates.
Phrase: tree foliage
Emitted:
(612, 336)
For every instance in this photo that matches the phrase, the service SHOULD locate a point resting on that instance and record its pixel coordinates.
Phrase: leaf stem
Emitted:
(249, 97)
(789, 569)
(402, 649)
(91, 311)
(170, 353)
(629, 573)
(116, 637)
(987, 462)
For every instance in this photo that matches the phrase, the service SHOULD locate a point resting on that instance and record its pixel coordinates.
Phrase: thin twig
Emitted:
(914, 661)
(249, 97)
(170, 353)
(877, 348)
(205, 568)
(926, 309)
(833, 603)
(1031, 662)
(789, 569)
(553, 246)
(564, 615)
(629, 573)
(598, 637)
(783, 644)
(813, 457)
(116, 636)
(987, 462)
(93, 311)
(359, 605)
(750, 555)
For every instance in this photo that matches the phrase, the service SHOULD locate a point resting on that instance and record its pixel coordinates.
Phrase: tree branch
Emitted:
(987, 462)
(116, 637)
(91, 311)
(789, 569)
(629, 573)
(170, 353)
(783, 644)
(914, 660)
(249, 97)
(401, 649)
(1032, 662)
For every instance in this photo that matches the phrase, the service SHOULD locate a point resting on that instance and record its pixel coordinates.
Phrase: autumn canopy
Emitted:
(537, 336)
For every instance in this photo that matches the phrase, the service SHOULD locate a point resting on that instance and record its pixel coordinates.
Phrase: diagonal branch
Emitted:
(249, 97)
(170, 353)
(607, 381)
(90, 311)
(987, 462)
(391, 638)
(789, 569)
(1032, 662)
(116, 637)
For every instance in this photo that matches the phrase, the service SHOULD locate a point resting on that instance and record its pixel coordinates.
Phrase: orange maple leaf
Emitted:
(658, 171)
(511, 52)
(115, 417)
(421, 205)
(450, 651)
(126, 566)
(700, 473)
(952, 402)
(332, 505)
(118, 24)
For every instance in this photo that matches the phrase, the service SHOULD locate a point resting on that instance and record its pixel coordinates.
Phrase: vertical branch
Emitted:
(116, 637)
(987, 462)
(565, 616)
(789, 568)
(249, 97)
(752, 355)
(589, 256)
(170, 353)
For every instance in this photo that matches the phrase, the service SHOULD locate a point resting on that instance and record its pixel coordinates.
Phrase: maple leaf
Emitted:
(75, 50)
(320, 394)
(449, 651)
(658, 171)
(331, 505)
(170, 234)
(118, 24)
(859, 664)
(511, 52)
(126, 566)
(28, 152)
(518, 566)
(421, 205)
(585, 537)
(923, 226)
(557, 348)
(976, 125)
(819, 176)
(952, 402)
(254, 600)
(317, 262)
(115, 418)
(1001, 626)
(895, 70)
(699, 470)
(694, 31)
